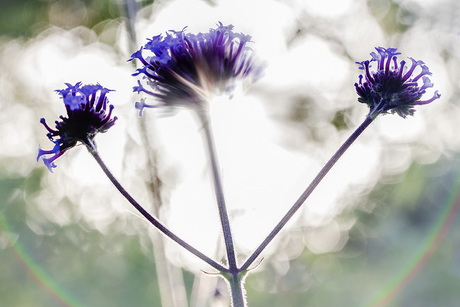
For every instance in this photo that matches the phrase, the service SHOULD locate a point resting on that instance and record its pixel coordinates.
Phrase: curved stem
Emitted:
(204, 118)
(92, 149)
(308, 191)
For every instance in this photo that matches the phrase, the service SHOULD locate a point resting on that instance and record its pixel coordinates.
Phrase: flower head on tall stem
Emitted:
(393, 88)
(183, 69)
(88, 112)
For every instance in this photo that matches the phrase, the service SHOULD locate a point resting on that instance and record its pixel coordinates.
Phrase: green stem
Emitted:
(204, 118)
(308, 191)
(237, 290)
(92, 149)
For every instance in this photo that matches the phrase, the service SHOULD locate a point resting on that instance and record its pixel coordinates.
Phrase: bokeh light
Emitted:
(272, 138)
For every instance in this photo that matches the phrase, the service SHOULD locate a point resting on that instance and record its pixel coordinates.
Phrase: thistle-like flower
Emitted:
(86, 116)
(187, 69)
(393, 88)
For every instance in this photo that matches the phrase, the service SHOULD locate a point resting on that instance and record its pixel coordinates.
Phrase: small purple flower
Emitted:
(86, 116)
(186, 69)
(393, 88)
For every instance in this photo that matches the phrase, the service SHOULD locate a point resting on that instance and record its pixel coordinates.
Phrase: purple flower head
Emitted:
(87, 115)
(393, 88)
(183, 69)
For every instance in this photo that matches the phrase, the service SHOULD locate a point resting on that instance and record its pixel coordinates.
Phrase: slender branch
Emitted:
(92, 149)
(308, 191)
(219, 191)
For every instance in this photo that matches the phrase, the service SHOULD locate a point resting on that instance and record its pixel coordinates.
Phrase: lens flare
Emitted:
(421, 258)
(33, 270)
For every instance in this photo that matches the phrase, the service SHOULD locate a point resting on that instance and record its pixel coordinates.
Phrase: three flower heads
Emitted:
(181, 70)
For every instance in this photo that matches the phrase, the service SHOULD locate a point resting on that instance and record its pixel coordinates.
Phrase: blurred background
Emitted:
(382, 229)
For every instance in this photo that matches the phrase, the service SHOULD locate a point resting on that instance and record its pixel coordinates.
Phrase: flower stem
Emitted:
(234, 275)
(203, 115)
(92, 149)
(237, 290)
(308, 191)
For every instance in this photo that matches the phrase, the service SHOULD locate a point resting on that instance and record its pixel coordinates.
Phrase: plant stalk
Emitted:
(308, 191)
(237, 289)
(92, 149)
(209, 140)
